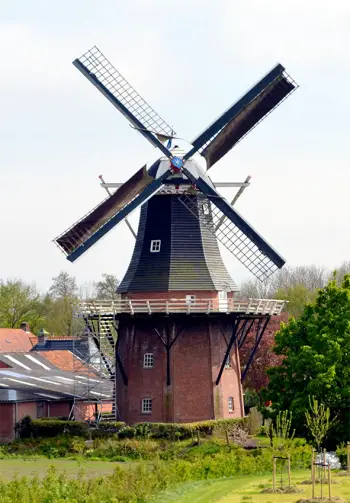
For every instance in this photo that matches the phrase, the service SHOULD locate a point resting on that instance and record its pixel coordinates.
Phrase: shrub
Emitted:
(127, 432)
(39, 428)
(108, 429)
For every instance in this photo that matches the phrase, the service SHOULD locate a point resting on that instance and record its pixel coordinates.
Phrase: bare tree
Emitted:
(255, 289)
(105, 289)
(63, 286)
(312, 277)
(340, 271)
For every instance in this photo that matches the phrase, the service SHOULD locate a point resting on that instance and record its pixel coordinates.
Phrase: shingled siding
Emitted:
(189, 258)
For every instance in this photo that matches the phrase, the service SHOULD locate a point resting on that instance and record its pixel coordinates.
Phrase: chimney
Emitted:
(42, 336)
(25, 326)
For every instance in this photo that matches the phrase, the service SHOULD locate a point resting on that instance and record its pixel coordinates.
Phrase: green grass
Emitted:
(246, 489)
(27, 467)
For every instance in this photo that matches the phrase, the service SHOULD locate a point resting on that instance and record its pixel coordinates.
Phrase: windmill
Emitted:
(176, 282)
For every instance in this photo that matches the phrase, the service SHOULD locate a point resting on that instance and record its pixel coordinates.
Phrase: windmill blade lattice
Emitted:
(229, 234)
(106, 78)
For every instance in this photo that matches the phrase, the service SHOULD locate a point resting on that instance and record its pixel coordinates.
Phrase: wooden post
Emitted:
(274, 475)
(289, 471)
(198, 439)
(348, 458)
(313, 473)
(324, 463)
(329, 483)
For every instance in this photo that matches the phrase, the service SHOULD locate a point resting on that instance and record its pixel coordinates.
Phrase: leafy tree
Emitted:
(59, 306)
(340, 272)
(318, 421)
(315, 351)
(297, 296)
(105, 289)
(19, 303)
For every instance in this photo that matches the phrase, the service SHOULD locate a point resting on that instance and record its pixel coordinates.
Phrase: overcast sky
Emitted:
(190, 59)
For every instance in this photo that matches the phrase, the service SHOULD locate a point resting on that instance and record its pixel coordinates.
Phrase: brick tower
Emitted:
(178, 326)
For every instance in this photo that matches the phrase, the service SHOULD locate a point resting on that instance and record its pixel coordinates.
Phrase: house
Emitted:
(46, 383)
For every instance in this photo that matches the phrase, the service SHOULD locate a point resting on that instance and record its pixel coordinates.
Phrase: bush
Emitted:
(342, 455)
(39, 428)
(108, 429)
(127, 432)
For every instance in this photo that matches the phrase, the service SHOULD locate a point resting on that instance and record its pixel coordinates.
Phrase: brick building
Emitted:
(47, 383)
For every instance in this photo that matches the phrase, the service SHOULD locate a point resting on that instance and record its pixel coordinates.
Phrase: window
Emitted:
(231, 405)
(190, 299)
(228, 362)
(155, 245)
(40, 409)
(146, 406)
(206, 207)
(148, 360)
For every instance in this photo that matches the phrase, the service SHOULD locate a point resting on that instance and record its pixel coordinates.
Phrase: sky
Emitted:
(190, 59)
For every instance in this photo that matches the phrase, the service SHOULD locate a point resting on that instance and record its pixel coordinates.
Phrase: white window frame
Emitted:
(148, 360)
(206, 207)
(146, 406)
(231, 404)
(190, 299)
(155, 245)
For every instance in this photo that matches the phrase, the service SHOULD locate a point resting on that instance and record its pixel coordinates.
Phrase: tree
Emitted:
(340, 271)
(60, 303)
(63, 286)
(105, 289)
(19, 303)
(318, 421)
(315, 351)
(264, 358)
(296, 296)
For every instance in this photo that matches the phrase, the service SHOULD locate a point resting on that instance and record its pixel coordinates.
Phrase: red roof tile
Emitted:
(66, 361)
(16, 340)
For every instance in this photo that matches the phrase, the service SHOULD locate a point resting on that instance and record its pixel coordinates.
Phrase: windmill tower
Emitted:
(178, 322)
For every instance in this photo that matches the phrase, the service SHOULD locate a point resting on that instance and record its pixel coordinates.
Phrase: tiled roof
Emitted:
(66, 361)
(16, 340)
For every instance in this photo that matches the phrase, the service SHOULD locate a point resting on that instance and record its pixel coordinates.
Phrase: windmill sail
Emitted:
(106, 78)
(239, 237)
(130, 195)
(243, 116)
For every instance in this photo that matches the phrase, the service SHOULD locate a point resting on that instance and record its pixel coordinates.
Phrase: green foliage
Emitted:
(19, 303)
(281, 427)
(316, 353)
(140, 483)
(127, 432)
(297, 296)
(28, 428)
(342, 454)
(318, 421)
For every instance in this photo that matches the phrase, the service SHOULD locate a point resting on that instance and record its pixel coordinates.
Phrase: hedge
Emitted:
(28, 428)
(38, 428)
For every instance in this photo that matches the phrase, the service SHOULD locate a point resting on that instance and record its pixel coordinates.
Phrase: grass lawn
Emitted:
(247, 489)
(27, 467)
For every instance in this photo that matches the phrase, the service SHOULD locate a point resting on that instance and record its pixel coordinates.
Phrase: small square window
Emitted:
(146, 406)
(230, 403)
(206, 207)
(148, 360)
(228, 362)
(190, 299)
(155, 245)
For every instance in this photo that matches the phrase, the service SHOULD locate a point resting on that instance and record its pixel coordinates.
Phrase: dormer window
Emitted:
(155, 245)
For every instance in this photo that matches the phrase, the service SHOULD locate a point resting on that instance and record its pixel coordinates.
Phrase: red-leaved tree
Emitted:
(256, 377)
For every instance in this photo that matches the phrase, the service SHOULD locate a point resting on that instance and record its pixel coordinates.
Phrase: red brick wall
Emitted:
(195, 361)
(26, 409)
(7, 422)
(59, 409)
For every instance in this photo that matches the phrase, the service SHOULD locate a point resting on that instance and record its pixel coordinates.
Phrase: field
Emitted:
(39, 466)
(247, 489)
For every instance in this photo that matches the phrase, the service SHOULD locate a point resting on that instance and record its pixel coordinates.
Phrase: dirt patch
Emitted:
(283, 490)
(319, 500)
